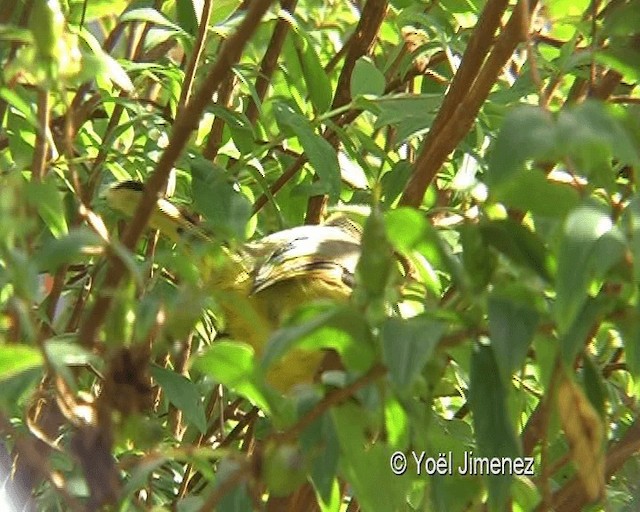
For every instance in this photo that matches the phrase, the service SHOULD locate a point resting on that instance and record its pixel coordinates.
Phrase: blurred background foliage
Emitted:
(492, 145)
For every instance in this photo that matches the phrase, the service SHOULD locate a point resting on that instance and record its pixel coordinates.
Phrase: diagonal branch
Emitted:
(186, 122)
(270, 59)
(447, 133)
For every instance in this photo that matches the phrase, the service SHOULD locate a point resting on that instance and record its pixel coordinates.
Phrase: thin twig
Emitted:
(190, 72)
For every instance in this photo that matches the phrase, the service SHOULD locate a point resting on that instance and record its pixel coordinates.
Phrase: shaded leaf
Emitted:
(47, 199)
(519, 244)
(494, 432)
(322, 156)
(528, 133)
(512, 324)
(182, 393)
(407, 345)
(589, 247)
(366, 79)
(318, 83)
(530, 190)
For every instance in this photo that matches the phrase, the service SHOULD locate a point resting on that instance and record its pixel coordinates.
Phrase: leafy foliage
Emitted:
(488, 151)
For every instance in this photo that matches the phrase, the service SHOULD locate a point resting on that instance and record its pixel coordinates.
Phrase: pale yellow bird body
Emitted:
(262, 283)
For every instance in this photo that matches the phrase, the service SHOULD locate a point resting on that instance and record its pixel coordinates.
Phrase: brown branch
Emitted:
(474, 56)
(360, 44)
(572, 497)
(190, 72)
(186, 122)
(448, 133)
(333, 398)
(214, 140)
(606, 85)
(229, 483)
(364, 36)
(270, 59)
(40, 151)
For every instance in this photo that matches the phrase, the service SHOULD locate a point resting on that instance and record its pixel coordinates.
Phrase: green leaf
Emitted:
(149, 15)
(232, 364)
(591, 136)
(366, 79)
(410, 114)
(322, 156)
(520, 245)
(226, 209)
(94, 9)
(630, 330)
(318, 83)
(99, 64)
(394, 181)
(631, 226)
(494, 432)
(15, 359)
(512, 324)
(573, 340)
(182, 393)
(589, 247)
(237, 497)
(479, 262)
(239, 126)
(187, 16)
(222, 10)
(47, 199)
(318, 327)
(593, 385)
(530, 190)
(16, 101)
(78, 243)
(325, 464)
(528, 133)
(405, 228)
(366, 466)
(376, 267)
(407, 345)
(63, 352)
(12, 33)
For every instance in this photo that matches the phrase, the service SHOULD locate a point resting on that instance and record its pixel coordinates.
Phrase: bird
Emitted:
(264, 281)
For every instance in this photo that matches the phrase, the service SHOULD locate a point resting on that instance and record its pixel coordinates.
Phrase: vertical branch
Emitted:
(214, 140)
(190, 72)
(40, 151)
(270, 59)
(360, 44)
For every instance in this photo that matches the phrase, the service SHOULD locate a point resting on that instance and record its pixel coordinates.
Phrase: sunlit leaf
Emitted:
(15, 359)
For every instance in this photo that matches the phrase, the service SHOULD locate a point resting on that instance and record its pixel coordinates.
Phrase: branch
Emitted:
(190, 72)
(40, 152)
(359, 45)
(186, 122)
(334, 398)
(448, 134)
(572, 496)
(270, 59)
